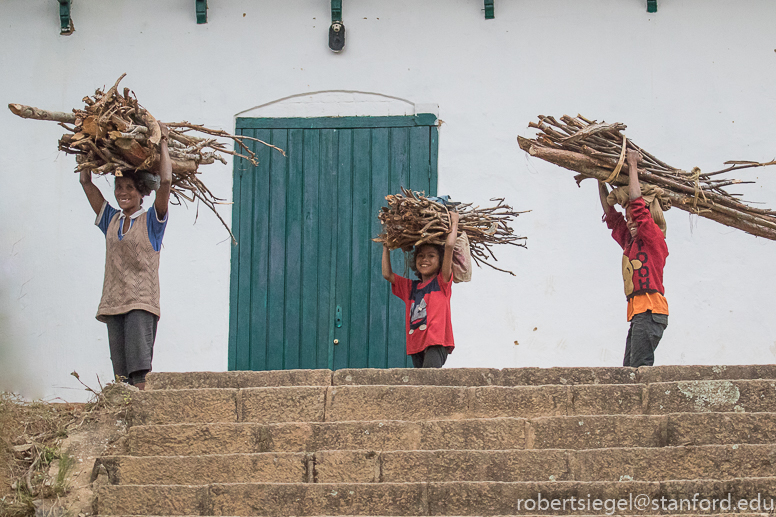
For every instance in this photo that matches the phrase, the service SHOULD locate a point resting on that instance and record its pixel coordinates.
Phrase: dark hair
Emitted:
(440, 250)
(140, 185)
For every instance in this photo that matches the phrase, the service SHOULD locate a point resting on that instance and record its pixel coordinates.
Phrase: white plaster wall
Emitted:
(339, 103)
(694, 82)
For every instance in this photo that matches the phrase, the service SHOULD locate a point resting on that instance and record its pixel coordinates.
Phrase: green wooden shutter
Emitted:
(304, 224)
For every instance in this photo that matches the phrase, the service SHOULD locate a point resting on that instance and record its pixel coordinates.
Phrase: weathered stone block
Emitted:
(721, 428)
(468, 434)
(606, 399)
(737, 396)
(417, 376)
(671, 373)
(191, 380)
(566, 376)
(494, 498)
(347, 467)
(205, 469)
(237, 379)
(151, 500)
(664, 463)
(370, 435)
(183, 406)
(593, 432)
(519, 401)
(282, 404)
(450, 465)
(317, 499)
(396, 403)
(277, 378)
(195, 439)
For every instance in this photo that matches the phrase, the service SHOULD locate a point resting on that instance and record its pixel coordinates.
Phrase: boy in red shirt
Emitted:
(644, 257)
(428, 325)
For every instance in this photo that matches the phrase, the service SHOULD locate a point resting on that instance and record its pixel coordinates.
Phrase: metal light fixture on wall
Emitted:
(337, 29)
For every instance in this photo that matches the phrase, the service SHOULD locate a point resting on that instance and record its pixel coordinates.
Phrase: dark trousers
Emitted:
(432, 357)
(131, 339)
(643, 337)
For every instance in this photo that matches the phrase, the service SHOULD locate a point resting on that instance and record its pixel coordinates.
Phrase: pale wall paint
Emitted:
(694, 82)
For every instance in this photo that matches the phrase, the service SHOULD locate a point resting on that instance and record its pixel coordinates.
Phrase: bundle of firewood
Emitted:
(114, 134)
(597, 150)
(411, 219)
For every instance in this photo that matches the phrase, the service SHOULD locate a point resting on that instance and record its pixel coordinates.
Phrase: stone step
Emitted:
(579, 432)
(194, 439)
(720, 462)
(378, 402)
(456, 376)
(446, 498)
(237, 379)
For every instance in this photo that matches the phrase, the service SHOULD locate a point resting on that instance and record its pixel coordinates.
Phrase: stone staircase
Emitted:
(449, 442)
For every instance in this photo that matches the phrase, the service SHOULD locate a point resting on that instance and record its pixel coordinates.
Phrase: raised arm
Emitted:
(387, 269)
(162, 200)
(447, 263)
(93, 194)
(634, 189)
(603, 193)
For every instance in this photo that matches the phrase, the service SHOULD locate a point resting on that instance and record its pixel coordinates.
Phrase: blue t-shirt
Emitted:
(155, 227)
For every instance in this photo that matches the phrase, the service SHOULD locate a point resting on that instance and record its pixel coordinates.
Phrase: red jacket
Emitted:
(643, 257)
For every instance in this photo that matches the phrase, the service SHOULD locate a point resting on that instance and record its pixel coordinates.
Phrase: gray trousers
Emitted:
(643, 337)
(432, 357)
(131, 339)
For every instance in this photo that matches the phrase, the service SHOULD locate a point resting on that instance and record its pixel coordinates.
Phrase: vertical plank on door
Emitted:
(259, 261)
(327, 247)
(379, 289)
(361, 245)
(293, 254)
(400, 177)
(244, 253)
(278, 192)
(311, 252)
(344, 250)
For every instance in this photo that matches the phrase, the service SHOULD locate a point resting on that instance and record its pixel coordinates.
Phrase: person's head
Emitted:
(427, 260)
(129, 191)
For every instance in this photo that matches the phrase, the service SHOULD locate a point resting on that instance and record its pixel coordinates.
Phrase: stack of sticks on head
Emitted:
(412, 219)
(114, 134)
(597, 150)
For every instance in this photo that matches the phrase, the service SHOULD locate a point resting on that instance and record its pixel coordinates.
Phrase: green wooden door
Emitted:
(306, 274)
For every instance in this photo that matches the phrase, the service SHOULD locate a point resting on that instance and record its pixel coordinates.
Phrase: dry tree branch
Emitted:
(591, 149)
(114, 134)
(411, 219)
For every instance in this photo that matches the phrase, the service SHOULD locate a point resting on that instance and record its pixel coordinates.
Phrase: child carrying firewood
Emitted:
(644, 257)
(428, 324)
(133, 237)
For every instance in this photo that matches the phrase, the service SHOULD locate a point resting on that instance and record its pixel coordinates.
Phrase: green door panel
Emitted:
(304, 224)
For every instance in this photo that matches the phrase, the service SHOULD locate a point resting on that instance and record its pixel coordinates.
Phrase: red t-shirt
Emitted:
(427, 313)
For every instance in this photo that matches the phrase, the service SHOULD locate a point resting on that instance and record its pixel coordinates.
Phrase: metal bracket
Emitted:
(65, 22)
(336, 11)
(489, 11)
(201, 8)
(651, 6)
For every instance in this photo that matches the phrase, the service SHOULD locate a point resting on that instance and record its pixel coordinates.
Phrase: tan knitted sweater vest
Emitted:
(131, 270)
